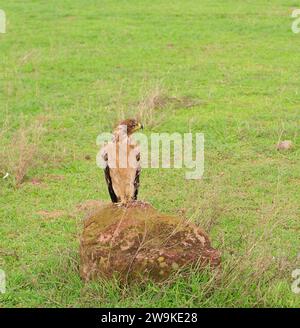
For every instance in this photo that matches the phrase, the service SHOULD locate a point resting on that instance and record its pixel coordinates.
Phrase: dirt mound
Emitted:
(136, 241)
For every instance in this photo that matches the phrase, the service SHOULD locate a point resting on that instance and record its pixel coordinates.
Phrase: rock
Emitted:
(284, 145)
(137, 241)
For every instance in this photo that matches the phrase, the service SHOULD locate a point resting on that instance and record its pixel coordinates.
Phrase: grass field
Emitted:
(71, 69)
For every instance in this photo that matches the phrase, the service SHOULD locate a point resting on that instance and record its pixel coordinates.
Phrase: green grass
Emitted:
(79, 65)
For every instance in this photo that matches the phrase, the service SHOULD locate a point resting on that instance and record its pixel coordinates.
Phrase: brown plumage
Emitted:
(122, 163)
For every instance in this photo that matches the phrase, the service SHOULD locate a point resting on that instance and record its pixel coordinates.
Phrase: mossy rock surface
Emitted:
(137, 241)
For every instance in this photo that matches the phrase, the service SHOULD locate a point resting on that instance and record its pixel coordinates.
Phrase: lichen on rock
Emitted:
(136, 241)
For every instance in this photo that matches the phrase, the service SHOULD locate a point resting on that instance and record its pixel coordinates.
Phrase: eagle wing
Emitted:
(112, 194)
(137, 175)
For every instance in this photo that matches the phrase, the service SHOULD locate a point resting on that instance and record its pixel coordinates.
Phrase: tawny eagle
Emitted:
(122, 162)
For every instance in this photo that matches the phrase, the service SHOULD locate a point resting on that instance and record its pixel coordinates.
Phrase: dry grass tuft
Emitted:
(153, 100)
(156, 99)
(19, 154)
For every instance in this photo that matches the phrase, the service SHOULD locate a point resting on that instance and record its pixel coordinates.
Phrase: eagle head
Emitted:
(130, 126)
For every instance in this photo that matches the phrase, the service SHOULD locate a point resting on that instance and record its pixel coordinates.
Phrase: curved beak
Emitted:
(140, 126)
